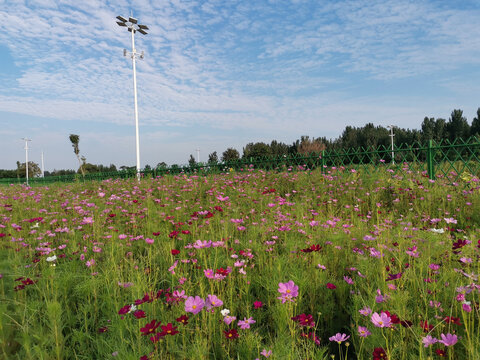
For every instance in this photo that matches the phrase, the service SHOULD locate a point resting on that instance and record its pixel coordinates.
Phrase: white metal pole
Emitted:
(43, 167)
(198, 155)
(26, 157)
(137, 139)
(391, 137)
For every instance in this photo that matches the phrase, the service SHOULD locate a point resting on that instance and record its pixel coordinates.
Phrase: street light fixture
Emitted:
(26, 157)
(391, 137)
(133, 26)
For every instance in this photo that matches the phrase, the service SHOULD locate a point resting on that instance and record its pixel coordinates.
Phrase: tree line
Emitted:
(369, 135)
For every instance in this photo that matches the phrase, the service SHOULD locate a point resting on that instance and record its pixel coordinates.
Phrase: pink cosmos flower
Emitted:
(339, 338)
(229, 319)
(288, 291)
(213, 301)
(448, 340)
(90, 262)
(245, 323)
(209, 273)
(365, 311)
(194, 304)
(429, 340)
(363, 331)
(266, 353)
(381, 320)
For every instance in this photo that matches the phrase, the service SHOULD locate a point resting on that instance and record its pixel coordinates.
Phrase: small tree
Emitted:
(230, 154)
(191, 161)
(75, 140)
(33, 170)
(213, 158)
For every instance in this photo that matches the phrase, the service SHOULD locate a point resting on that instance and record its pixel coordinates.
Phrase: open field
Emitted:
(244, 265)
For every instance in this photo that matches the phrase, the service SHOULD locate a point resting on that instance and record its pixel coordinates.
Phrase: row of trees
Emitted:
(457, 126)
(439, 129)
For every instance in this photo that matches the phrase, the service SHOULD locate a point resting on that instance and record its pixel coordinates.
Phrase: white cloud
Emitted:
(262, 69)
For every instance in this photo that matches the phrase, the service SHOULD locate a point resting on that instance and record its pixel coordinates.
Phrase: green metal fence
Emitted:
(459, 158)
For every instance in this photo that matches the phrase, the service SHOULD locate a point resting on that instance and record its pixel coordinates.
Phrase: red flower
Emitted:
(312, 249)
(231, 334)
(182, 319)
(257, 304)
(175, 252)
(441, 353)
(156, 337)
(304, 320)
(102, 329)
(139, 314)
(379, 354)
(173, 234)
(28, 281)
(453, 320)
(150, 327)
(168, 329)
(124, 310)
(331, 286)
(426, 328)
(222, 271)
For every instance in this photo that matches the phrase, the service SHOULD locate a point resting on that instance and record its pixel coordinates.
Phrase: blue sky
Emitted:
(220, 74)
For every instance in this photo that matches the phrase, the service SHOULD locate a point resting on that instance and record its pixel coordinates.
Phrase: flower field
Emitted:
(242, 265)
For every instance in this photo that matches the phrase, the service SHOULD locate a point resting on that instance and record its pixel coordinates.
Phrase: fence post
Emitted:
(430, 169)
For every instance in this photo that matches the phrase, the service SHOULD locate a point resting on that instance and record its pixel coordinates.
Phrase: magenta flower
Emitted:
(429, 340)
(382, 320)
(245, 323)
(266, 353)
(90, 262)
(365, 311)
(339, 338)
(209, 273)
(194, 305)
(229, 319)
(448, 340)
(213, 301)
(288, 291)
(363, 331)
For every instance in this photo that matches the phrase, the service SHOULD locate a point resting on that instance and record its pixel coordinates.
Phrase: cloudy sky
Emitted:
(222, 73)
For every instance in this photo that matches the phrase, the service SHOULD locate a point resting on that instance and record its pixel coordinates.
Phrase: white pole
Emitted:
(137, 139)
(391, 137)
(26, 157)
(198, 155)
(43, 167)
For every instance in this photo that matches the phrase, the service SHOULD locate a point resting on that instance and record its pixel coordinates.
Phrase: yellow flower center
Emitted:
(194, 306)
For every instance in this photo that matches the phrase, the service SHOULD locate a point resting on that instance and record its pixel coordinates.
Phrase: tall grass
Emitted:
(74, 258)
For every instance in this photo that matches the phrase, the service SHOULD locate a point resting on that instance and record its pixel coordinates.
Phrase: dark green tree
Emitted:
(230, 154)
(213, 158)
(475, 129)
(255, 150)
(191, 161)
(457, 126)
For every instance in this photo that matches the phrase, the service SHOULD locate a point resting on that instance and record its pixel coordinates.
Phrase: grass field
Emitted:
(243, 265)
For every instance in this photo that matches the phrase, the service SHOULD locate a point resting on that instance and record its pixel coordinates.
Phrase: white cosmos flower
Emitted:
(52, 258)
(225, 312)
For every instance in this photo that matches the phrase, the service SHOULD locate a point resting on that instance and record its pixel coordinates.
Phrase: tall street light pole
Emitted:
(391, 137)
(26, 157)
(133, 26)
